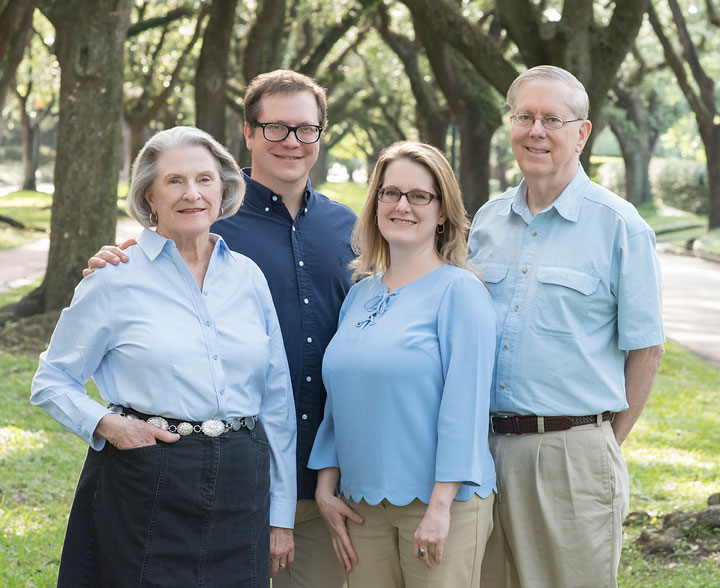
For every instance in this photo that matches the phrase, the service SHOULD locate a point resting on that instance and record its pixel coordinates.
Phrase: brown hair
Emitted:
(281, 81)
(451, 245)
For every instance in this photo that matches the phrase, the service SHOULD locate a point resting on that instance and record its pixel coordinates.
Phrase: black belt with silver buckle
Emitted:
(514, 424)
(210, 427)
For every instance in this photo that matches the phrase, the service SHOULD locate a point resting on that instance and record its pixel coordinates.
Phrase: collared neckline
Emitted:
(152, 244)
(567, 204)
(261, 196)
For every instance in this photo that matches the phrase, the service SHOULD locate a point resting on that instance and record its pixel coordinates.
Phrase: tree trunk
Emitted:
(29, 135)
(637, 151)
(319, 171)
(211, 75)
(89, 44)
(712, 150)
(138, 135)
(15, 30)
(475, 139)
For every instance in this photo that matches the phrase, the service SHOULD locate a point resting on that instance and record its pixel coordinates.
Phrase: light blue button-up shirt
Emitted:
(574, 288)
(408, 376)
(153, 341)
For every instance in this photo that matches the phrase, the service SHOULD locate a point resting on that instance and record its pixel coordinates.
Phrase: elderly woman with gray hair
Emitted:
(191, 468)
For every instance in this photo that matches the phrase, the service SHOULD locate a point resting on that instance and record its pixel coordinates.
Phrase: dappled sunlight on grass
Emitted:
(22, 519)
(671, 457)
(15, 440)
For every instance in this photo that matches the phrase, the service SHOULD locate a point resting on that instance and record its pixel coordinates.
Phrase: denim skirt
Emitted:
(194, 513)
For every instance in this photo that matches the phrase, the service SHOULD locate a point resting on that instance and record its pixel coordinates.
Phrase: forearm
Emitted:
(327, 482)
(641, 366)
(443, 495)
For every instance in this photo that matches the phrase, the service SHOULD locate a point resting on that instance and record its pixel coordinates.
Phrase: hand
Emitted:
(431, 534)
(282, 549)
(126, 433)
(336, 512)
(108, 253)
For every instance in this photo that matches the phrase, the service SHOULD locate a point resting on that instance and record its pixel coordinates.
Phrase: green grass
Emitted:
(673, 457)
(349, 193)
(16, 294)
(678, 227)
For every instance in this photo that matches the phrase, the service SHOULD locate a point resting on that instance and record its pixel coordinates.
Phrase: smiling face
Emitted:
(549, 156)
(404, 225)
(284, 166)
(186, 192)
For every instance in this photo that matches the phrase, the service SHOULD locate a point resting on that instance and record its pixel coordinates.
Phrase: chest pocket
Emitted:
(564, 298)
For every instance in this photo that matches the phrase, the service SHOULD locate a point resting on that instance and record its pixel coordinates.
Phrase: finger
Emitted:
(352, 515)
(344, 538)
(127, 243)
(165, 436)
(439, 551)
(274, 566)
(291, 555)
(342, 556)
(86, 272)
(93, 263)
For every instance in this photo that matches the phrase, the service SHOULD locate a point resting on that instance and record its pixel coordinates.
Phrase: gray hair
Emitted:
(577, 101)
(145, 168)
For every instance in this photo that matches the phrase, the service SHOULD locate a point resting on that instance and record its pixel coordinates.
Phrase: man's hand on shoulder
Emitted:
(108, 254)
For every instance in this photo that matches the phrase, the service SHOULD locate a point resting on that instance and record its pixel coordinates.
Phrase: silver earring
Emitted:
(153, 218)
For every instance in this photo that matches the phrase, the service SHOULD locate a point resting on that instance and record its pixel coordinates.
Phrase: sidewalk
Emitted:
(22, 265)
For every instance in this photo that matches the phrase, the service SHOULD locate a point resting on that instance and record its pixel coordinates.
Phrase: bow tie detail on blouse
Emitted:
(376, 306)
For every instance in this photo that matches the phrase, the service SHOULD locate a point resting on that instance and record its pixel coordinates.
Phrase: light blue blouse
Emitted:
(153, 341)
(408, 382)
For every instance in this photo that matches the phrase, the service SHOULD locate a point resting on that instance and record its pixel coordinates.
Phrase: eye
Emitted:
(174, 181)
(554, 120)
(419, 196)
(275, 127)
(524, 117)
(391, 192)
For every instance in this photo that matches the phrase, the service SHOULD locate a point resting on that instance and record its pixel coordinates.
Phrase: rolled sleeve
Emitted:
(639, 293)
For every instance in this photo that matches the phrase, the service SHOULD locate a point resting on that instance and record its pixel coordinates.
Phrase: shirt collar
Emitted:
(567, 204)
(153, 244)
(261, 196)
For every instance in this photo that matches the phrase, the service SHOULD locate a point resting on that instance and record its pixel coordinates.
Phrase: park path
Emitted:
(691, 290)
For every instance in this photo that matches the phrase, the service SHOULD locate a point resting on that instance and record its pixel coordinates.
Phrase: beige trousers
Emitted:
(562, 498)
(315, 565)
(384, 545)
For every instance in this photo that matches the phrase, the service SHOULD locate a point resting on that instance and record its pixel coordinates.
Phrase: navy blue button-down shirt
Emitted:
(305, 261)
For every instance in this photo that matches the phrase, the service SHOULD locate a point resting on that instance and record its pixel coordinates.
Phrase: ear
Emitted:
(149, 197)
(584, 133)
(249, 133)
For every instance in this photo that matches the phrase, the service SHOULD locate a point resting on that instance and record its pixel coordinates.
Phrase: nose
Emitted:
(193, 191)
(537, 127)
(291, 139)
(403, 203)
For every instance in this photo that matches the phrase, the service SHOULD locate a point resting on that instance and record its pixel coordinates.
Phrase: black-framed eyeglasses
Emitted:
(416, 197)
(276, 132)
(553, 123)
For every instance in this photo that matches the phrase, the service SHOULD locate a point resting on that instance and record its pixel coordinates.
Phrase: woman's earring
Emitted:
(153, 218)
(442, 226)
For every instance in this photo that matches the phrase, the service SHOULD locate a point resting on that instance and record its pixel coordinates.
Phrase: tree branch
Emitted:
(157, 21)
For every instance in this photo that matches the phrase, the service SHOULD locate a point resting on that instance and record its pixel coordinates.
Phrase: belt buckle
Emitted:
(502, 416)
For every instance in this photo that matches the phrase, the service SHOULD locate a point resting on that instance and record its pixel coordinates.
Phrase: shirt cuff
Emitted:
(282, 513)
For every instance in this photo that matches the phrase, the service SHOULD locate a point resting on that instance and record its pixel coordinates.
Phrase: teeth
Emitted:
(531, 150)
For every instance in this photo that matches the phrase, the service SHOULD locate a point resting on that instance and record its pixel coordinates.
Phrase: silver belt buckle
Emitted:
(213, 427)
(499, 416)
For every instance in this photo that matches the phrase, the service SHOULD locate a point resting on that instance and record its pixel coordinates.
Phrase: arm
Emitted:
(433, 530)
(282, 549)
(108, 253)
(336, 512)
(641, 366)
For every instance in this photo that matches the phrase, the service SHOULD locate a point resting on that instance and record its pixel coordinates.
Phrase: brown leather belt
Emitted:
(514, 424)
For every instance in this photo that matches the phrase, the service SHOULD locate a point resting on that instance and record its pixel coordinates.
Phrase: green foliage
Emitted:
(349, 193)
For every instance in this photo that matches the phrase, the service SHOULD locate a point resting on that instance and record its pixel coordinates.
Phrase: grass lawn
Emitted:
(349, 193)
(673, 456)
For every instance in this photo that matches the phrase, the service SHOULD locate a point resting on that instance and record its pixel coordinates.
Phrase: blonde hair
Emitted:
(368, 243)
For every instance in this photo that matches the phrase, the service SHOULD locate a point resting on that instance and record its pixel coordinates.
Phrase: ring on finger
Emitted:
(421, 552)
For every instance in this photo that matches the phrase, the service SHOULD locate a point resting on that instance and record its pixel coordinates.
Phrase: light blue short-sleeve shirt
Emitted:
(408, 376)
(574, 288)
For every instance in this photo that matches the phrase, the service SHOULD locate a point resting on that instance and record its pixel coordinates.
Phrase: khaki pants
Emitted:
(384, 545)
(315, 565)
(562, 498)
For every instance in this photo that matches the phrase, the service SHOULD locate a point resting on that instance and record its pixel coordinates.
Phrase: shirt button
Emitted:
(293, 228)
(215, 356)
(208, 323)
(306, 301)
(309, 339)
(301, 263)
(524, 270)
(506, 346)
(304, 417)
(516, 308)
(309, 379)
(221, 391)
(305, 210)
(534, 233)
(503, 385)
(274, 198)
(267, 209)
(205, 292)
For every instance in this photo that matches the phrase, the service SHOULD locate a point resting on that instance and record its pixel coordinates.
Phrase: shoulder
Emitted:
(492, 208)
(334, 208)
(605, 202)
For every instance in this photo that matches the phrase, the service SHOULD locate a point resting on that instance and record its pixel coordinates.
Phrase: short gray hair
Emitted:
(145, 168)
(578, 100)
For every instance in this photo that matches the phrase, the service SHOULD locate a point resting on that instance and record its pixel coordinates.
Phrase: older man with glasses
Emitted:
(301, 241)
(575, 282)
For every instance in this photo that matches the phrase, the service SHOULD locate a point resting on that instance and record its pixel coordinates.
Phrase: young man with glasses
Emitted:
(301, 241)
(575, 281)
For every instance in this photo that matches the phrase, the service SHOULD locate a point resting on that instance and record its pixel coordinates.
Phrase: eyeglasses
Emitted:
(552, 123)
(277, 132)
(415, 197)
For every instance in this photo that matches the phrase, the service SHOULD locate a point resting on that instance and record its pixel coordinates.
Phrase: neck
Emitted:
(196, 251)
(542, 191)
(409, 265)
(293, 193)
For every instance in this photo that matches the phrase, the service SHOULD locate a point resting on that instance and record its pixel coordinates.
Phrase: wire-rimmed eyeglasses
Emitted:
(276, 132)
(552, 123)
